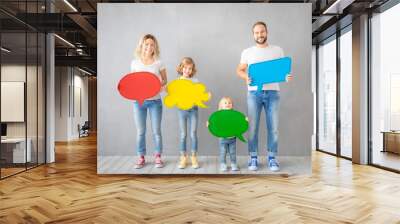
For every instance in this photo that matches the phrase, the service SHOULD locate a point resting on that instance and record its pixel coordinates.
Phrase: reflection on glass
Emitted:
(14, 153)
(41, 98)
(346, 93)
(327, 97)
(22, 91)
(386, 88)
(31, 101)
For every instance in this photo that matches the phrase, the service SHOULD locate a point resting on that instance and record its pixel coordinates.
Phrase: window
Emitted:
(385, 89)
(346, 93)
(327, 96)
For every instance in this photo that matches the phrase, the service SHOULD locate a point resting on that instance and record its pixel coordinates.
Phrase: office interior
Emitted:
(49, 96)
(48, 76)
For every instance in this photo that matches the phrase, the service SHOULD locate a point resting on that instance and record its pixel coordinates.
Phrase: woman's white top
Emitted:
(155, 68)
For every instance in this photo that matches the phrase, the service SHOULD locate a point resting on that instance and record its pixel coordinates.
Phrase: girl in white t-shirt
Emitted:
(186, 70)
(147, 60)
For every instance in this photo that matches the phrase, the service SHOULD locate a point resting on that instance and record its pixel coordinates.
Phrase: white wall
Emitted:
(314, 91)
(214, 35)
(33, 127)
(16, 73)
(80, 83)
(70, 81)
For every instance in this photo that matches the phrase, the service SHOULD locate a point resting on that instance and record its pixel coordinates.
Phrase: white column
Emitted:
(50, 110)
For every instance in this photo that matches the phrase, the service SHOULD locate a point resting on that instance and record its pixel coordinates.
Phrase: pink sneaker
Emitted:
(159, 163)
(140, 163)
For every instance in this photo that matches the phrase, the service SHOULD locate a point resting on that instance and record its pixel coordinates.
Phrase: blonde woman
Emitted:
(147, 59)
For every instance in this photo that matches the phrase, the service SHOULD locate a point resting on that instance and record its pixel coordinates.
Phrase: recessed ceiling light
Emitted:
(70, 5)
(5, 49)
(337, 6)
(84, 71)
(64, 40)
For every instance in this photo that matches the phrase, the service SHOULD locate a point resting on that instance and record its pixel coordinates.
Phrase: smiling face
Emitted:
(148, 47)
(260, 34)
(187, 70)
(225, 104)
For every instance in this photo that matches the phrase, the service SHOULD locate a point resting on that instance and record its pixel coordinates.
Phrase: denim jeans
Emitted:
(227, 145)
(269, 100)
(140, 116)
(188, 116)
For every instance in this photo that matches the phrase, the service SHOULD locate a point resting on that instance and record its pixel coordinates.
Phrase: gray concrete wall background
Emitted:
(214, 36)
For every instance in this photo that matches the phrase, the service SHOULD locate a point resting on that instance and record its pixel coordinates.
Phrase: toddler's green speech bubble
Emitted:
(228, 123)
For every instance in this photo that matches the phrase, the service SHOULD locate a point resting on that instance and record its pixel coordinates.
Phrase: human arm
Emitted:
(289, 77)
(241, 72)
(163, 74)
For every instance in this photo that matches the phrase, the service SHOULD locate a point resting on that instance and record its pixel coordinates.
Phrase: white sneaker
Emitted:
(273, 165)
(253, 164)
(223, 167)
(234, 167)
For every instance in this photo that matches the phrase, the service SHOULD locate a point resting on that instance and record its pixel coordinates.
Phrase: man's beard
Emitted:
(261, 41)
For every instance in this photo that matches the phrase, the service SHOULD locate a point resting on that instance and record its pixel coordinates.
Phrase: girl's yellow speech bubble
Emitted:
(185, 94)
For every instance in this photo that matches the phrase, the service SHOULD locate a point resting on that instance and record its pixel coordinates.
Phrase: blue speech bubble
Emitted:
(269, 71)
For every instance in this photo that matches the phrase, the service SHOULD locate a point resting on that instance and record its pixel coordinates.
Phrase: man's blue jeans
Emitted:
(269, 100)
(140, 115)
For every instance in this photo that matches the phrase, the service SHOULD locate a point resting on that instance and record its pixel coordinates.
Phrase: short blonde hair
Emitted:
(222, 100)
(138, 51)
(186, 61)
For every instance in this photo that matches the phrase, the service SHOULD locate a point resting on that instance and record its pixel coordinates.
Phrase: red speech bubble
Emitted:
(139, 86)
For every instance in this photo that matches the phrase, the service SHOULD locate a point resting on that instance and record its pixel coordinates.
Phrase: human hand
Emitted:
(248, 80)
(289, 78)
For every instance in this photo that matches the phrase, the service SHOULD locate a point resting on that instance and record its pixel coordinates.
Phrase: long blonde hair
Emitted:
(138, 51)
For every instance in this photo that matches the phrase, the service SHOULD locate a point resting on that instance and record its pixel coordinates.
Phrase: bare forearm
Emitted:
(163, 78)
(163, 82)
(242, 74)
(241, 71)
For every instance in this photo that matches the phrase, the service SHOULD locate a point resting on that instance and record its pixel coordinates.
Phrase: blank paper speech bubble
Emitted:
(228, 123)
(269, 71)
(139, 86)
(185, 94)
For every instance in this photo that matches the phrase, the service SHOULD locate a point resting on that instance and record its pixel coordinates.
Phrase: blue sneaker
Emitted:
(253, 164)
(273, 164)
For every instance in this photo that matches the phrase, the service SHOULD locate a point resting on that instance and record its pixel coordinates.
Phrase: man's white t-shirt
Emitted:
(256, 54)
(155, 68)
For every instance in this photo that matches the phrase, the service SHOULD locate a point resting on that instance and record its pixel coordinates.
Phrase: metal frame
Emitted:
(389, 4)
(382, 8)
(0, 95)
(44, 74)
(339, 32)
(369, 90)
(338, 99)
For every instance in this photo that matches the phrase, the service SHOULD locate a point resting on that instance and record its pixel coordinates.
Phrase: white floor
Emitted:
(290, 165)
